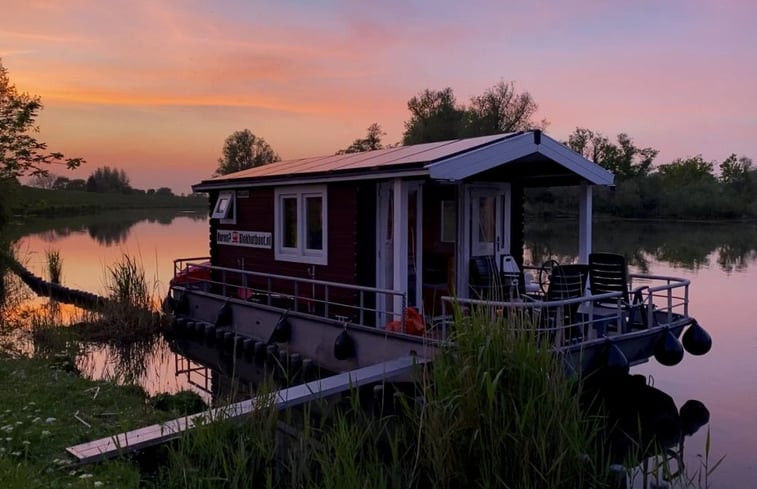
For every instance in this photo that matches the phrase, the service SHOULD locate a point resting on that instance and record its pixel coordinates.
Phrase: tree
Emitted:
(43, 180)
(108, 180)
(735, 171)
(501, 109)
(77, 184)
(20, 152)
(371, 141)
(624, 159)
(165, 191)
(687, 170)
(243, 150)
(434, 116)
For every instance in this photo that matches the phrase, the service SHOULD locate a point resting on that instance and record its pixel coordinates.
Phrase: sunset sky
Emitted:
(154, 87)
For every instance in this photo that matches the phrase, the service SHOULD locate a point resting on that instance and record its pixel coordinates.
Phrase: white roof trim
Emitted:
(236, 184)
(510, 149)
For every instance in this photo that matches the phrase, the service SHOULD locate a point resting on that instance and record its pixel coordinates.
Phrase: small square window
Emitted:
(224, 208)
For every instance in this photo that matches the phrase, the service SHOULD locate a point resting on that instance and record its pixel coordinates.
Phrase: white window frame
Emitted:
(300, 254)
(223, 216)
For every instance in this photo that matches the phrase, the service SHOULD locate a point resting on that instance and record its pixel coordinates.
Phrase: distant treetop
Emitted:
(243, 150)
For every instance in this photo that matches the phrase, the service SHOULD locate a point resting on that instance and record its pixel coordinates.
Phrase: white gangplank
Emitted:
(109, 447)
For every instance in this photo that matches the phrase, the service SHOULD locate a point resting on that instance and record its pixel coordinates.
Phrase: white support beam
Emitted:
(399, 222)
(584, 223)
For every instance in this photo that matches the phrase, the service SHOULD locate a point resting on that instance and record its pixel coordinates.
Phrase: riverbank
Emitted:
(46, 406)
(29, 201)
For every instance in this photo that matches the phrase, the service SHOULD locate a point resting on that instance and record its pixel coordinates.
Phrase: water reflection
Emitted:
(107, 229)
(644, 420)
(682, 245)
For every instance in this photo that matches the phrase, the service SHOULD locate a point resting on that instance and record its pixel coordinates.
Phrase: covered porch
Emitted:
(431, 232)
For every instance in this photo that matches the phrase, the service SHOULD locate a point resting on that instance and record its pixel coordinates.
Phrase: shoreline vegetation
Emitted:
(36, 202)
(497, 410)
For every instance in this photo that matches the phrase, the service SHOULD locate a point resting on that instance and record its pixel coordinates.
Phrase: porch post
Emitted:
(399, 222)
(584, 223)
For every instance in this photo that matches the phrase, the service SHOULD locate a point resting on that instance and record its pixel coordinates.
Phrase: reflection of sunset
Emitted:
(85, 260)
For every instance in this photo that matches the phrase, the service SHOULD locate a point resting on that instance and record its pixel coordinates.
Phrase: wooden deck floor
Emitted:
(112, 446)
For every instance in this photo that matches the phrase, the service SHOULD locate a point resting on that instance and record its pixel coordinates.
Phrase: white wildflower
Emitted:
(26, 442)
(50, 420)
(19, 423)
(16, 454)
(85, 476)
(8, 438)
(72, 473)
(98, 484)
(45, 433)
(36, 420)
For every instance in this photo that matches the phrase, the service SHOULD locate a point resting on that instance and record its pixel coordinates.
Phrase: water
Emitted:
(719, 259)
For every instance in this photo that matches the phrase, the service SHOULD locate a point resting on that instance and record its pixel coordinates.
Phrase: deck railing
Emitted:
(660, 299)
(355, 304)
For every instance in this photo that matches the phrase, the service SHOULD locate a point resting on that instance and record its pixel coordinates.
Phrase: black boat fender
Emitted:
(696, 340)
(668, 350)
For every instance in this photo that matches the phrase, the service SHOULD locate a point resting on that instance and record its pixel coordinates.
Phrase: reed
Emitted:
(126, 283)
(54, 265)
(500, 412)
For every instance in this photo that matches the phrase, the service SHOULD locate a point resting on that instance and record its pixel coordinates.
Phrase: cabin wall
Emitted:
(256, 213)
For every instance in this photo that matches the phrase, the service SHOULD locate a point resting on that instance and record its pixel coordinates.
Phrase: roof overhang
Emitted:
(524, 155)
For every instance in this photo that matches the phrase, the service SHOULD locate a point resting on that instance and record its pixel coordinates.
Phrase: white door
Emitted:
(490, 221)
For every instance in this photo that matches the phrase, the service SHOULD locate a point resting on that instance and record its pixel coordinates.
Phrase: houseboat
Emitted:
(356, 259)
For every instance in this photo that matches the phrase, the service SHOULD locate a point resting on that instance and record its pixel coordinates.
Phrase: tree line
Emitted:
(102, 180)
(684, 188)
(687, 187)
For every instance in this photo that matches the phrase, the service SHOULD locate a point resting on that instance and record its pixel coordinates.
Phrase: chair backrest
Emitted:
(567, 282)
(608, 272)
(483, 271)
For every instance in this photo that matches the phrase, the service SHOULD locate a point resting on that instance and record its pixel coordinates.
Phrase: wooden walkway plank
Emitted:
(112, 446)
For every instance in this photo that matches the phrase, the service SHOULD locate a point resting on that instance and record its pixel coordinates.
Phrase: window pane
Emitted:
(486, 220)
(289, 226)
(314, 223)
(223, 204)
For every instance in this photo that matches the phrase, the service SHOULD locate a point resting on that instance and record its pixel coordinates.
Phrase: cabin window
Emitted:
(301, 230)
(449, 221)
(224, 208)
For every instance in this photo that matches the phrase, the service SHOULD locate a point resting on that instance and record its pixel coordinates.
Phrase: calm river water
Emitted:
(719, 259)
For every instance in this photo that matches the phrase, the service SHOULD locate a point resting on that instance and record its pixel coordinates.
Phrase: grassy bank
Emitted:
(45, 407)
(28, 201)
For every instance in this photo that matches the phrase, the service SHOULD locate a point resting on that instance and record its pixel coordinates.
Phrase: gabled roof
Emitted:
(512, 155)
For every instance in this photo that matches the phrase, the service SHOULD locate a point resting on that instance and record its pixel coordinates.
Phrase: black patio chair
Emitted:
(488, 283)
(567, 282)
(608, 273)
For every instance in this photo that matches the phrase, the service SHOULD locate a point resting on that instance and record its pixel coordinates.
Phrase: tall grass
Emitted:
(54, 265)
(494, 411)
(500, 412)
(126, 283)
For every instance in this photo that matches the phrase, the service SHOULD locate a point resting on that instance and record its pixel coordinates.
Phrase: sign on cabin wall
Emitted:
(251, 239)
